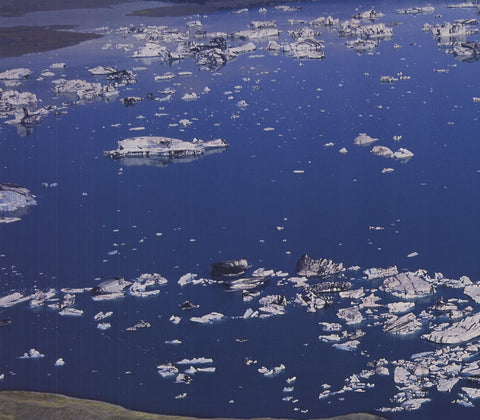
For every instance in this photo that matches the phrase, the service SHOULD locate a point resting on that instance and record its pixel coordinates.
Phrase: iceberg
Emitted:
(13, 299)
(15, 74)
(229, 268)
(14, 197)
(110, 289)
(408, 285)
(364, 140)
(374, 273)
(459, 332)
(163, 147)
(323, 267)
(208, 318)
(405, 324)
(416, 10)
(84, 91)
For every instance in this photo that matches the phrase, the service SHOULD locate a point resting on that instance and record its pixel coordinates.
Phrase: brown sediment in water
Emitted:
(23, 405)
(195, 8)
(20, 40)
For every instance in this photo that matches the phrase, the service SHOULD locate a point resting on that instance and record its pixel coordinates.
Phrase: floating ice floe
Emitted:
(144, 281)
(458, 332)
(323, 267)
(190, 278)
(362, 46)
(382, 151)
(131, 100)
(325, 21)
(408, 285)
(371, 14)
(84, 91)
(164, 148)
(102, 70)
(101, 316)
(14, 198)
(13, 299)
(196, 361)
(247, 283)
(71, 312)
(32, 354)
(347, 346)
(311, 301)
(60, 362)
(350, 315)
(139, 325)
(272, 371)
(450, 30)
(273, 305)
(229, 268)
(256, 34)
(208, 318)
(40, 297)
(304, 48)
(405, 324)
(110, 289)
(167, 370)
(416, 10)
(473, 291)
(375, 31)
(364, 140)
(104, 326)
(400, 307)
(15, 74)
(466, 51)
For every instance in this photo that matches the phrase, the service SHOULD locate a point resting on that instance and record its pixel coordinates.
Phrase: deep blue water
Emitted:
(230, 204)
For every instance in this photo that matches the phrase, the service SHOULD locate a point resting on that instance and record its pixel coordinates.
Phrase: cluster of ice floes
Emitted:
(14, 202)
(416, 10)
(164, 149)
(15, 74)
(81, 90)
(365, 304)
(195, 365)
(452, 38)
(402, 153)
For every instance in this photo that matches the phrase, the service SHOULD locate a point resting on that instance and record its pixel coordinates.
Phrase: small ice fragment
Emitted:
(412, 254)
(60, 362)
(343, 151)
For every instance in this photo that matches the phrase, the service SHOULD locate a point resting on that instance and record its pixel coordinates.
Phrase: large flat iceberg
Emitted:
(163, 147)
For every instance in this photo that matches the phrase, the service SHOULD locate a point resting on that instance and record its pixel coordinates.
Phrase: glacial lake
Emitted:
(280, 190)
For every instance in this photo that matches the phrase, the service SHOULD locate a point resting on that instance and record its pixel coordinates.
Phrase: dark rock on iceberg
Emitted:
(131, 100)
(122, 77)
(331, 287)
(228, 268)
(323, 267)
(188, 305)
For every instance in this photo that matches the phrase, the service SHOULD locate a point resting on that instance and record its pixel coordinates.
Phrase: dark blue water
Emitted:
(229, 205)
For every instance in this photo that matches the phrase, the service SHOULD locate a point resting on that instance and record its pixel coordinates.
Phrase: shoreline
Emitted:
(46, 406)
(16, 41)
